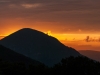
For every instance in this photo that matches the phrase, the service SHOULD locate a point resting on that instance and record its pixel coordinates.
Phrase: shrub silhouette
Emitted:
(68, 66)
(77, 65)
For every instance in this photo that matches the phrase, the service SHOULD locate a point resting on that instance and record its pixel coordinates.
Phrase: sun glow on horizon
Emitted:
(72, 37)
(77, 41)
(59, 36)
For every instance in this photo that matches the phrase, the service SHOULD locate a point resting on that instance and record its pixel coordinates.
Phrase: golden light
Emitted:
(49, 33)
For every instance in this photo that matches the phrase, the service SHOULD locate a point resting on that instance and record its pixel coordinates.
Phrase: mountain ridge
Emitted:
(38, 45)
(9, 55)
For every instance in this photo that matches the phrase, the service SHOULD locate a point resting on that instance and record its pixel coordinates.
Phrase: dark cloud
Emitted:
(78, 14)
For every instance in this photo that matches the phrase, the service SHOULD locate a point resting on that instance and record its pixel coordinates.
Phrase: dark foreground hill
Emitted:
(38, 46)
(68, 66)
(91, 54)
(11, 56)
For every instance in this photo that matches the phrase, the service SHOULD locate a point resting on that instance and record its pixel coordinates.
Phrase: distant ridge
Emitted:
(91, 54)
(38, 46)
(11, 56)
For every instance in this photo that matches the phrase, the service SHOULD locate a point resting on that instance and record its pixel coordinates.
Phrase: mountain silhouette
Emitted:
(38, 45)
(11, 56)
(91, 54)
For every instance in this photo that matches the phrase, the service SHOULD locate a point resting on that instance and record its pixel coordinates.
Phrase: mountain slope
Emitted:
(38, 46)
(91, 54)
(11, 56)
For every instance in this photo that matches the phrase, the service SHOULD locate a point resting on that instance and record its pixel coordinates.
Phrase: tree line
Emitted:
(68, 66)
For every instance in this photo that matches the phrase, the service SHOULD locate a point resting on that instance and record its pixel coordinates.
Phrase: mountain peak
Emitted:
(38, 46)
(27, 29)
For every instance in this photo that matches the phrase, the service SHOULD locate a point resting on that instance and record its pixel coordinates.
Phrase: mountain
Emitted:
(11, 56)
(91, 54)
(38, 45)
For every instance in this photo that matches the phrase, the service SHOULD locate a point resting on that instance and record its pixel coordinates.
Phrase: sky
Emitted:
(71, 21)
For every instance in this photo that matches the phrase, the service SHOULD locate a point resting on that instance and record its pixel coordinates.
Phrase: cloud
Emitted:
(3, 1)
(13, 6)
(71, 14)
(31, 5)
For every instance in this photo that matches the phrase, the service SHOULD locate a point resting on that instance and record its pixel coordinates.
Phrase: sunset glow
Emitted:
(77, 41)
(75, 23)
(50, 37)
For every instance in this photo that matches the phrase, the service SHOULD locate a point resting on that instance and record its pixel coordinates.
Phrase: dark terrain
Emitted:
(39, 46)
(22, 52)
(11, 56)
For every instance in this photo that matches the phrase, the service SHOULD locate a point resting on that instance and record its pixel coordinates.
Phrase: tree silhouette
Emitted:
(68, 66)
(77, 65)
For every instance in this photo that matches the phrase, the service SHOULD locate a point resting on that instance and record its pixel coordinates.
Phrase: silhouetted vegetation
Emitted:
(77, 66)
(68, 66)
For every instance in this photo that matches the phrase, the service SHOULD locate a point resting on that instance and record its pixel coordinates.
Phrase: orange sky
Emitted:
(76, 41)
(71, 21)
